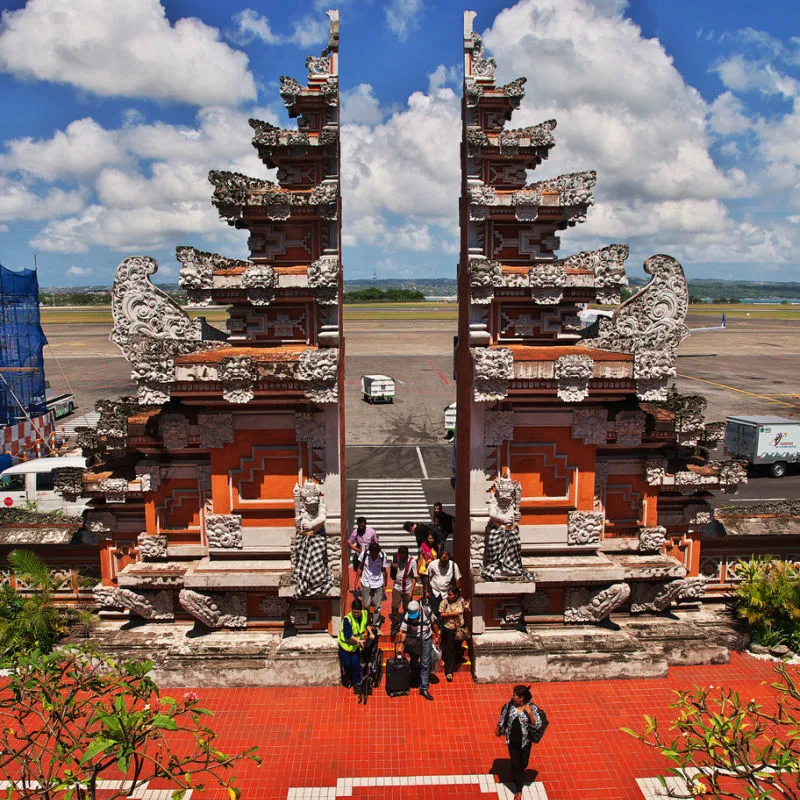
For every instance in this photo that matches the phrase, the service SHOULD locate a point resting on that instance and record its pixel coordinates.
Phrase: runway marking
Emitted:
(422, 463)
(734, 389)
(437, 372)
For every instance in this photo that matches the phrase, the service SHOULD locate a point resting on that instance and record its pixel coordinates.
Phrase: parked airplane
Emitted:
(589, 316)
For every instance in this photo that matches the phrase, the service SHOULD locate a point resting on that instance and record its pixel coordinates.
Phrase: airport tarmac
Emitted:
(752, 367)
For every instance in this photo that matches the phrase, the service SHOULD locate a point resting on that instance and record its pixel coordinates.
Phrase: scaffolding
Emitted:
(22, 384)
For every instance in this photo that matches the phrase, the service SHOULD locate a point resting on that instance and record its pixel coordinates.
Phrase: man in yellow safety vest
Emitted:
(352, 634)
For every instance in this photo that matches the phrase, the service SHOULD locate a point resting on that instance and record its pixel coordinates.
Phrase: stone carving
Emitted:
(149, 475)
(574, 190)
(731, 474)
(100, 521)
(655, 470)
(215, 610)
(310, 428)
(502, 555)
(482, 67)
(573, 373)
(318, 65)
(274, 606)
(260, 280)
(290, 90)
(652, 370)
(147, 605)
(697, 517)
(319, 370)
(151, 548)
(174, 430)
(105, 597)
(584, 527)
(196, 275)
(653, 319)
(324, 194)
(477, 549)
(657, 597)
(236, 375)
(515, 89)
(493, 370)
(651, 540)
(484, 276)
(474, 90)
(216, 430)
(629, 426)
(224, 530)
(481, 196)
(498, 427)
(323, 277)
(589, 605)
(547, 283)
(590, 425)
(310, 576)
(68, 482)
(114, 489)
(608, 265)
(330, 91)
(476, 138)
(329, 135)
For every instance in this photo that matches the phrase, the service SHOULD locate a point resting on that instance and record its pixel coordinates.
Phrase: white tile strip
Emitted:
(141, 793)
(345, 786)
(653, 789)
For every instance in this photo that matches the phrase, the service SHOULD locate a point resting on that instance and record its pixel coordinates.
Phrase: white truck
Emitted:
(773, 441)
(377, 388)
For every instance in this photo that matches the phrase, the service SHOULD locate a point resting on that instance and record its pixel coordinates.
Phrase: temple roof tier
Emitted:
(274, 143)
(532, 143)
(298, 98)
(234, 194)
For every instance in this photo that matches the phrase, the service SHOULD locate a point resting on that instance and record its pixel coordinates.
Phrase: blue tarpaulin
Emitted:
(21, 343)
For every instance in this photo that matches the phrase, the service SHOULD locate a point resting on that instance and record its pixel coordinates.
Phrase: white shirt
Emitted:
(440, 581)
(409, 570)
(372, 572)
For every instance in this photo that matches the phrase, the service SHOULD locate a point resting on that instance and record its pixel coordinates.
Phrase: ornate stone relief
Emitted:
(629, 426)
(290, 90)
(515, 89)
(590, 425)
(115, 490)
(484, 276)
(652, 540)
(106, 597)
(319, 371)
(274, 606)
(655, 470)
(651, 323)
(482, 67)
(608, 265)
(149, 475)
(216, 610)
(547, 283)
(584, 527)
(68, 482)
(493, 370)
(318, 65)
(590, 605)
(697, 517)
(197, 272)
(224, 530)
(100, 522)
(477, 549)
(572, 374)
(323, 277)
(174, 430)
(151, 548)
(498, 427)
(238, 380)
(147, 604)
(216, 430)
(260, 281)
(658, 596)
(311, 428)
(574, 190)
(473, 91)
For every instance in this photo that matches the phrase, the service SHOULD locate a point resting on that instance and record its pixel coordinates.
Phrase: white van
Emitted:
(31, 483)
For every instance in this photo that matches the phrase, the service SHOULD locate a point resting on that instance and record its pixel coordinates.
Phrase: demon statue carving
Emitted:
(502, 556)
(311, 575)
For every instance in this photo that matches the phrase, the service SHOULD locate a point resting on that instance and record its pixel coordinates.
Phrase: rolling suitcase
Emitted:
(398, 675)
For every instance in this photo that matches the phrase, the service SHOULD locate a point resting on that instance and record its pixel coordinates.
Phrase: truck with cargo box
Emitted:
(377, 388)
(771, 441)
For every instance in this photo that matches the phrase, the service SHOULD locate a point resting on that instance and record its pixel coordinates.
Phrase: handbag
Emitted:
(436, 654)
(538, 730)
(463, 634)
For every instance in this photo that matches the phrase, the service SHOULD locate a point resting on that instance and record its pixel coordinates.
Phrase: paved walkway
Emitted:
(318, 743)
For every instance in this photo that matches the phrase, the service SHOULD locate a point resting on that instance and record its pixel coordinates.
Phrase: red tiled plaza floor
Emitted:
(313, 737)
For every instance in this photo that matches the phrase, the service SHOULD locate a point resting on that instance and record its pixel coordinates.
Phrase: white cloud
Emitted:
(123, 49)
(444, 76)
(744, 75)
(80, 150)
(20, 202)
(729, 115)
(79, 272)
(730, 149)
(360, 106)
(402, 17)
(310, 30)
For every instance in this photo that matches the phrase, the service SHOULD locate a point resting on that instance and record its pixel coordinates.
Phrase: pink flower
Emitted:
(190, 697)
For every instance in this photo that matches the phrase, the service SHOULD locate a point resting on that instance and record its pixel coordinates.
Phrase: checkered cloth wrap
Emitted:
(311, 576)
(502, 556)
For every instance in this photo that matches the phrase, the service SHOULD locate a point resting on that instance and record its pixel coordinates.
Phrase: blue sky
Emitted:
(113, 113)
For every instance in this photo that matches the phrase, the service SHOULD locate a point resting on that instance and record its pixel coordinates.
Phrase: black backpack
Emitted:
(538, 730)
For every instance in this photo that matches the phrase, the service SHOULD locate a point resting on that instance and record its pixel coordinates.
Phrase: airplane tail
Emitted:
(723, 325)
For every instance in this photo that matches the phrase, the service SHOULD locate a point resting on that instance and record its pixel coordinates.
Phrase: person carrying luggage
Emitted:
(441, 574)
(372, 577)
(522, 724)
(416, 636)
(451, 619)
(352, 635)
(404, 574)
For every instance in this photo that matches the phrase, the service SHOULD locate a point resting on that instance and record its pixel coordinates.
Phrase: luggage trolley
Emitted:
(377, 388)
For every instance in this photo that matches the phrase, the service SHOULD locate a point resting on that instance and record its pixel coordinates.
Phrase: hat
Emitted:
(413, 609)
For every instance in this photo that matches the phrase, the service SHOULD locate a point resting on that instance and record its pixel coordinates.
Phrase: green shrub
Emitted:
(768, 600)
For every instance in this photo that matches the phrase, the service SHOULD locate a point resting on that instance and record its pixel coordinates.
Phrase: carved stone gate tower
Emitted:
(219, 491)
(580, 486)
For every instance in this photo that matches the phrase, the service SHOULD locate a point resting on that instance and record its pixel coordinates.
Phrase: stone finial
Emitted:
(106, 597)
(582, 604)
(215, 610)
(148, 604)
